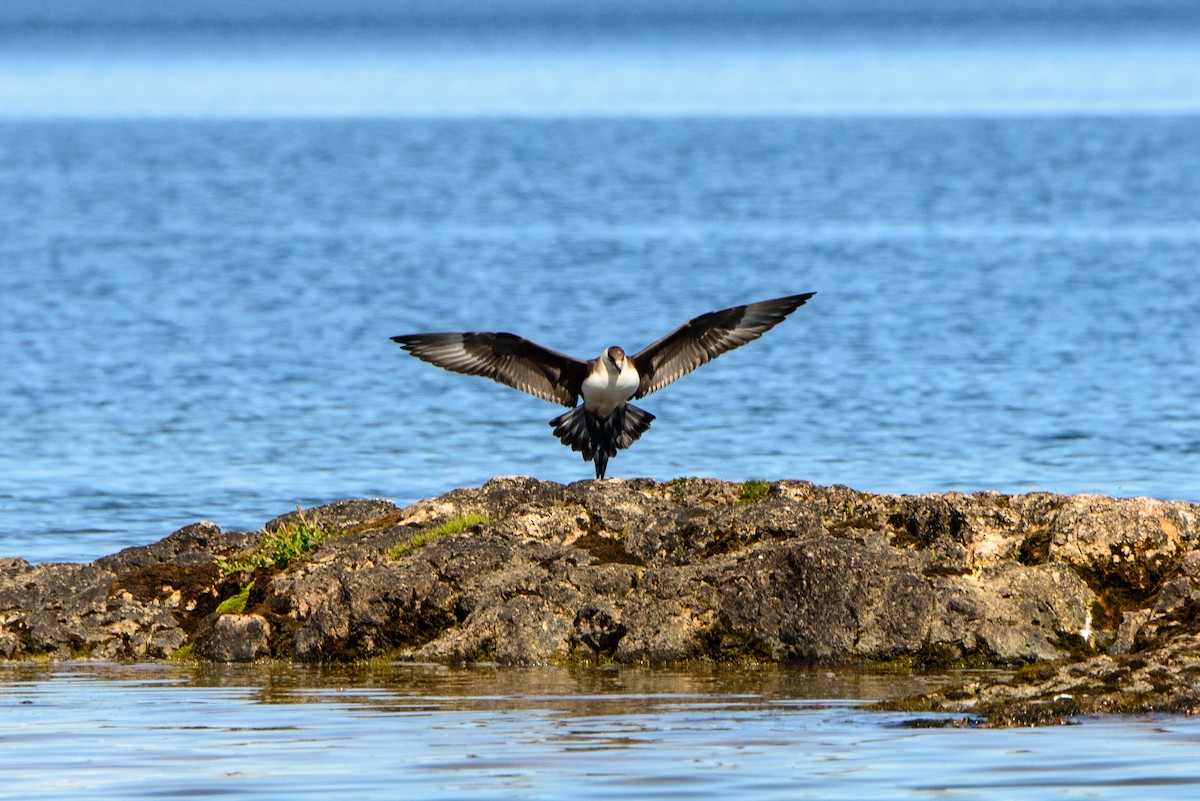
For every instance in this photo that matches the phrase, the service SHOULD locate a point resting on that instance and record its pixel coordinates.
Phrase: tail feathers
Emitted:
(635, 423)
(598, 438)
(571, 430)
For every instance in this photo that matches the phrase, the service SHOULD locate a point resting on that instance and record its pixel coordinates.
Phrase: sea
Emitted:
(215, 215)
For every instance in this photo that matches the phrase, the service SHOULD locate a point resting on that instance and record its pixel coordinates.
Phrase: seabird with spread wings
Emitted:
(605, 421)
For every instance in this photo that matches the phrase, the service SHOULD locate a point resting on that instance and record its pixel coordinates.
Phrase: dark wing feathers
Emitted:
(506, 358)
(707, 337)
(556, 377)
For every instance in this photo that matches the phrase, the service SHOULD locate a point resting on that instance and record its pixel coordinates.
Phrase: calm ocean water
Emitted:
(217, 213)
(196, 303)
(196, 313)
(416, 732)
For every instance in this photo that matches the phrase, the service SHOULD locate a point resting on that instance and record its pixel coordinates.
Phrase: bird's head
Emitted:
(615, 356)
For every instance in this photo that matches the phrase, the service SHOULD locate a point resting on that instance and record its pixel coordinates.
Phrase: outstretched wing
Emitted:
(506, 358)
(707, 337)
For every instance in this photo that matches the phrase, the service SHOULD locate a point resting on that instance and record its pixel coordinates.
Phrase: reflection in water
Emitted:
(190, 731)
(401, 687)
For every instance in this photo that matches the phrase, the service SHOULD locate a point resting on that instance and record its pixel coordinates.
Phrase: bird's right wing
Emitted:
(507, 358)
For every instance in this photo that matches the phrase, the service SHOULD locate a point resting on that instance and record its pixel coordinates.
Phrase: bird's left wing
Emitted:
(707, 337)
(507, 358)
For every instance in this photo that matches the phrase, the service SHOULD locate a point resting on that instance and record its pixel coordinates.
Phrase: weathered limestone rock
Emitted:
(1152, 665)
(67, 611)
(136, 604)
(236, 638)
(1026, 611)
(189, 545)
(637, 571)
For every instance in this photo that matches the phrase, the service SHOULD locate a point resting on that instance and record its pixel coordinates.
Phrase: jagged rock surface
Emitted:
(1152, 665)
(636, 571)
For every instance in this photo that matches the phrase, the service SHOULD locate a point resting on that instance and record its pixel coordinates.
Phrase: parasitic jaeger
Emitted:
(605, 421)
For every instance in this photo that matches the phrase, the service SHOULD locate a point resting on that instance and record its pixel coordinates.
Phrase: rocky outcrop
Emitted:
(530, 572)
(1152, 665)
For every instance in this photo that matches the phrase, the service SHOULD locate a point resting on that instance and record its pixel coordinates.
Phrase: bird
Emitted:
(605, 421)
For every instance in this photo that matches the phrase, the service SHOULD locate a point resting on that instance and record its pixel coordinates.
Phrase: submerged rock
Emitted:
(522, 571)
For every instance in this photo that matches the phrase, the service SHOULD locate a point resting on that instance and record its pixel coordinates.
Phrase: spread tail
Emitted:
(598, 438)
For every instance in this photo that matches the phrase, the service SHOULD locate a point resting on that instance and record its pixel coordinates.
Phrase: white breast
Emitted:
(606, 389)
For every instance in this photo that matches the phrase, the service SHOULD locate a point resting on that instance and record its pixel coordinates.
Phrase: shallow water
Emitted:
(437, 733)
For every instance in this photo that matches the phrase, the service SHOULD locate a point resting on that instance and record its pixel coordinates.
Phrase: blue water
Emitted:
(356, 58)
(216, 214)
(196, 313)
(417, 732)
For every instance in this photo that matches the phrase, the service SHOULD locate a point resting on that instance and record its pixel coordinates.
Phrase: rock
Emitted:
(1012, 612)
(1131, 624)
(236, 638)
(67, 611)
(1150, 666)
(342, 513)
(637, 571)
(197, 543)
(1156, 680)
